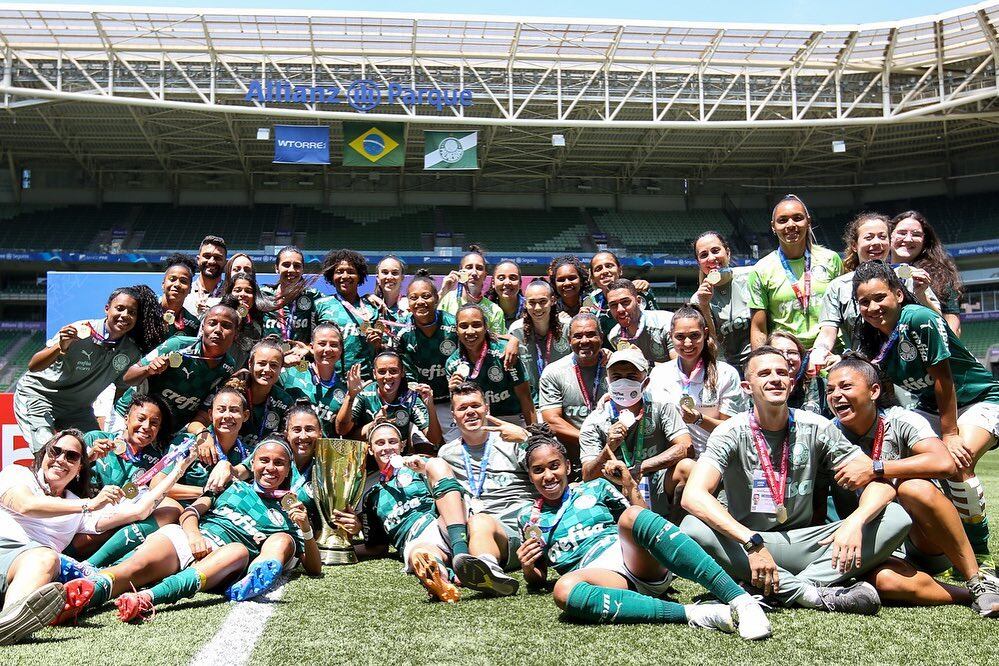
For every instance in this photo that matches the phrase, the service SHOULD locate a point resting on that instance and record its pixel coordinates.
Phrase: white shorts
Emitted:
(984, 415)
(612, 559)
(431, 535)
(181, 545)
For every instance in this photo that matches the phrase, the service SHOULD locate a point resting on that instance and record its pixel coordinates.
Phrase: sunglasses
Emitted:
(70, 455)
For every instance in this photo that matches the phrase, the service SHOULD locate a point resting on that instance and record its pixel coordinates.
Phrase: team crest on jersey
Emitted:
(495, 374)
(304, 303)
(584, 502)
(402, 418)
(561, 345)
(447, 347)
(119, 362)
(339, 395)
(906, 350)
(245, 343)
(272, 421)
(405, 480)
(276, 517)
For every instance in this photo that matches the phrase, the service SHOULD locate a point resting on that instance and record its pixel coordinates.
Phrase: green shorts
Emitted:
(9, 551)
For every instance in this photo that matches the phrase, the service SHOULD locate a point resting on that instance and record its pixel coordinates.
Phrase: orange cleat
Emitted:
(428, 570)
(135, 606)
(79, 592)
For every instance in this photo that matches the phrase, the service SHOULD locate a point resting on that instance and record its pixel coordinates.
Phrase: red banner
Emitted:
(14, 448)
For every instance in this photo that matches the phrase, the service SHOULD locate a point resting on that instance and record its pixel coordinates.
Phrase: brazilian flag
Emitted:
(377, 145)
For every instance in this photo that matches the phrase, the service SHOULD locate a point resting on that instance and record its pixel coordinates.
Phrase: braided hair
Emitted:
(867, 338)
(150, 329)
(541, 435)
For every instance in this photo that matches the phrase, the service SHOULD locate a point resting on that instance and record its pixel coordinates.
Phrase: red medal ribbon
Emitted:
(777, 486)
(482, 358)
(879, 440)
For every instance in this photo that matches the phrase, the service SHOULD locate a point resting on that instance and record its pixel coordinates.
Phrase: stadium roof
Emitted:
(119, 90)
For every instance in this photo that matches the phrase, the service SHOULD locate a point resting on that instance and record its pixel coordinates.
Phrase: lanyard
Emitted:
(777, 487)
(286, 323)
(477, 487)
(879, 439)
(239, 447)
(520, 306)
(588, 398)
(536, 511)
(628, 452)
(638, 331)
(685, 379)
(355, 313)
(538, 359)
(886, 347)
(482, 357)
(166, 460)
(804, 293)
(433, 324)
(318, 382)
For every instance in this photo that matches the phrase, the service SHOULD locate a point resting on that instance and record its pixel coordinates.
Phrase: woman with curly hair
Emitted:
(177, 280)
(570, 280)
(914, 241)
(544, 338)
(82, 360)
(357, 318)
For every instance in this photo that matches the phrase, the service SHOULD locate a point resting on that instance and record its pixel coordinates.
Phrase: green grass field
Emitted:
(371, 613)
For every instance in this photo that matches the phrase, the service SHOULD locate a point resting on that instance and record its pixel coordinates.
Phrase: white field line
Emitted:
(233, 643)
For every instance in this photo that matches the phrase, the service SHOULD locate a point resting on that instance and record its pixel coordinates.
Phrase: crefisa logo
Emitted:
(362, 95)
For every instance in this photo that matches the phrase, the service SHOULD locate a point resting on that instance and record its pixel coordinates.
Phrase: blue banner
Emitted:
(295, 144)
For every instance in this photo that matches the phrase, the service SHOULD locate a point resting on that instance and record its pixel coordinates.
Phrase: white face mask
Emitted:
(625, 392)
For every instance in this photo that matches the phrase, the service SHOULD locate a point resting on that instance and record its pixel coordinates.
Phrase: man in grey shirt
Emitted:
(646, 329)
(769, 460)
(572, 386)
(487, 460)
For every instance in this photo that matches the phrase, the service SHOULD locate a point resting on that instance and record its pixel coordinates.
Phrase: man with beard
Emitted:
(206, 290)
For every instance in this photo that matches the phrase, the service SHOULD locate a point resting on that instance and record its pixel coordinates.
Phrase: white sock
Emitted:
(809, 597)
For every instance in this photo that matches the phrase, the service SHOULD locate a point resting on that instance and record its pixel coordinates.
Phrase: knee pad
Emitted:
(968, 498)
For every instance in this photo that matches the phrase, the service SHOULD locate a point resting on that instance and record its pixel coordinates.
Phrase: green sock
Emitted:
(102, 591)
(978, 535)
(681, 555)
(613, 606)
(458, 535)
(181, 585)
(123, 541)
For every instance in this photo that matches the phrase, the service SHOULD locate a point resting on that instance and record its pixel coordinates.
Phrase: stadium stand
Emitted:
(978, 336)
(351, 227)
(168, 228)
(12, 367)
(660, 231)
(515, 229)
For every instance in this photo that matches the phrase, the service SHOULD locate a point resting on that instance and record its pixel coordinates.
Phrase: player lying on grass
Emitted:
(239, 541)
(906, 451)
(41, 509)
(418, 507)
(617, 557)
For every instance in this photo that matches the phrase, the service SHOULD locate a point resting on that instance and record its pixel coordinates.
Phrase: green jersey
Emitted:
(424, 356)
(536, 354)
(295, 320)
(407, 408)
(356, 349)
(497, 383)
(924, 340)
(817, 449)
(242, 515)
(250, 333)
(731, 313)
(495, 319)
(197, 473)
(183, 388)
(115, 470)
(75, 379)
(396, 509)
(325, 398)
(184, 323)
(652, 336)
(771, 291)
(266, 418)
(580, 527)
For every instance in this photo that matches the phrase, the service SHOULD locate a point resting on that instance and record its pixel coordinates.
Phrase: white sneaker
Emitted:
(753, 622)
(31, 613)
(710, 616)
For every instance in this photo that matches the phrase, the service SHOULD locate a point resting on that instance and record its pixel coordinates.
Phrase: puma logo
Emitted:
(187, 372)
(86, 354)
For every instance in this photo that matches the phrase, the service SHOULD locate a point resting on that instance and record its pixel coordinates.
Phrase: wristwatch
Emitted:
(879, 468)
(700, 417)
(754, 542)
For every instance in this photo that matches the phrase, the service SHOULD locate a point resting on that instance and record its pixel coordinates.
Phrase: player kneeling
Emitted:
(418, 506)
(617, 557)
(216, 540)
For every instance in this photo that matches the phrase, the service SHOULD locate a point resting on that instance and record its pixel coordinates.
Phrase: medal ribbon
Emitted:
(886, 347)
(320, 384)
(542, 362)
(482, 358)
(879, 439)
(628, 453)
(803, 293)
(536, 511)
(239, 447)
(638, 331)
(477, 487)
(355, 313)
(588, 398)
(286, 323)
(176, 454)
(685, 379)
(269, 494)
(104, 339)
(777, 486)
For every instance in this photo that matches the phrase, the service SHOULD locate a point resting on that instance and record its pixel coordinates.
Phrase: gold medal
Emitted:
(903, 271)
(365, 327)
(175, 359)
(169, 317)
(623, 344)
(781, 514)
(82, 332)
(534, 531)
(288, 501)
(242, 311)
(120, 447)
(302, 365)
(379, 326)
(714, 277)
(131, 490)
(463, 276)
(688, 402)
(285, 347)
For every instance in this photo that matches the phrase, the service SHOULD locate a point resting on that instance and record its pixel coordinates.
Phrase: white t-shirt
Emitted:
(727, 398)
(53, 531)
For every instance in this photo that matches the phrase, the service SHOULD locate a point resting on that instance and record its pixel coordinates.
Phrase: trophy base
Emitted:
(337, 557)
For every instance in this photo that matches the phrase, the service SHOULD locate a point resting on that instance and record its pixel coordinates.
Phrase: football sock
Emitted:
(458, 535)
(614, 606)
(181, 585)
(124, 541)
